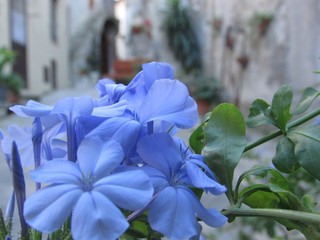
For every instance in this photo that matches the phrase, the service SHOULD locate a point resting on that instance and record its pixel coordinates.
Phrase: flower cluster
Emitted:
(104, 162)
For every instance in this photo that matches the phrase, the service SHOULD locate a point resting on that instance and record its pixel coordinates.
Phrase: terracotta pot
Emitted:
(204, 106)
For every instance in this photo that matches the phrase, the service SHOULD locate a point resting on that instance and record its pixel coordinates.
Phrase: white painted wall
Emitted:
(41, 50)
(4, 27)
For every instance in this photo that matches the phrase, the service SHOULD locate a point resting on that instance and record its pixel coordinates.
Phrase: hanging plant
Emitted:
(261, 22)
(181, 37)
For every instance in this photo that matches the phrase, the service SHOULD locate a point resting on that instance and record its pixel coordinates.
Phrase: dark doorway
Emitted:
(18, 31)
(108, 44)
(54, 74)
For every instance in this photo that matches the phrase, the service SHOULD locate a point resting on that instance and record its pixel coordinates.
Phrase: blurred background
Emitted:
(231, 50)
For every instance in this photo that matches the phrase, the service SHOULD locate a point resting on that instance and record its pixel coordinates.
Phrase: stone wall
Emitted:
(287, 52)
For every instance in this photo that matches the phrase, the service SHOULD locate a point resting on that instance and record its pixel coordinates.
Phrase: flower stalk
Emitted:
(278, 133)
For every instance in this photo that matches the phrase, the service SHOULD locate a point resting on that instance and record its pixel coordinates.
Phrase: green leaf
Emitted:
(307, 144)
(278, 181)
(280, 106)
(196, 140)
(225, 136)
(309, 203)
(308, 96)
(260, 171)
(277, 185)
(259, 114)
(285, 160)
(277, 194)
(262, 199)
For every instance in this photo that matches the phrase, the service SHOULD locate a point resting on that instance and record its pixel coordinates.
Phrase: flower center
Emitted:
(87, 182)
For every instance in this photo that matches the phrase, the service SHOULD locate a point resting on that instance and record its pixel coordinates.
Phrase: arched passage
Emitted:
(108, 44)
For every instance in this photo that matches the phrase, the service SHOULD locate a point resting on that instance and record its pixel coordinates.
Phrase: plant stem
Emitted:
(305, 217)
(278, 133)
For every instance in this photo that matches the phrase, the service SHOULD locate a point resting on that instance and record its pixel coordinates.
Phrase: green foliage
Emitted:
(306, 142)
(278, 114)
(206, 88)
(5, 228)
(285, 159)
(273, 193)
(224, 143)
(182, 38)
(12, 81)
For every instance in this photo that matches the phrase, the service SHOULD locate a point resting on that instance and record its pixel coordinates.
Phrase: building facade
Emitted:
(54, 39)
(38, 31)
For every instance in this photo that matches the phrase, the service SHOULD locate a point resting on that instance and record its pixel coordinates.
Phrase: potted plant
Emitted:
(261, 22)
(206, 92)
(10, 83)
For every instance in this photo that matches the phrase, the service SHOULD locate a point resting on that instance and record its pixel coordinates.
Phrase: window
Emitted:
(18, 21)
(53, 20)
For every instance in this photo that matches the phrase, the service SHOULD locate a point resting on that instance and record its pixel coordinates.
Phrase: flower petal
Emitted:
(211, 216)
(96, 217)
(73, 107)
(200, 180)
(171, 215)
(158, 179)
(169, 100)
(156, 70)
(122, 130)
(32, 109)
(47, 209)
(159, 150)
(113, 110)
(57, 171)
(130, 189)
(98, 158)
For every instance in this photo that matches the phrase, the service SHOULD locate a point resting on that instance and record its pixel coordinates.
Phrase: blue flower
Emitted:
(154, 95)
(154, 103)
(89, 188)
(67, 111)
(175, 207)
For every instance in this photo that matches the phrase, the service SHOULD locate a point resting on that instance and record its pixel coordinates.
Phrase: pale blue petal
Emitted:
(111, 156)
(99, 158)
(73, 107)
(114, 110)
(156, 70)
(48, 208)
(32, 109)
(158, 179)
(95, 217)
(211, 216)
(109, 127)
(123, 130)
(57, 171)
(112, 91)
(131, 190)
(159, 150)
(23, 139)
(170, 214)
(200, 180)
(169, 100)
(88, 154)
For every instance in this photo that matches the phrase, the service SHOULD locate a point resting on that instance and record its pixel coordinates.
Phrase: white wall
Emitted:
(4, 27)
(42, 50)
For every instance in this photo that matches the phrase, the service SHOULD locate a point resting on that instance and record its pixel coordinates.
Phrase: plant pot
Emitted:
(204, 106)
(12, 97)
